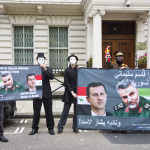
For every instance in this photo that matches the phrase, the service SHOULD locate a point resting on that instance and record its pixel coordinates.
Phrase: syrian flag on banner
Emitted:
(38, 80)
(82, 96)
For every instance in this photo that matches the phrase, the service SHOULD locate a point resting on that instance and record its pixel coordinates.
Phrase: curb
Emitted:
(41, 116)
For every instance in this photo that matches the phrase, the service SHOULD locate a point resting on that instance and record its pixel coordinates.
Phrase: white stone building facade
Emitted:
(85, 21)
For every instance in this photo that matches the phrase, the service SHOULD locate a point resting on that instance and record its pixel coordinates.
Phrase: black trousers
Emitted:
(37, 103)
(1, 119)
(64, 116)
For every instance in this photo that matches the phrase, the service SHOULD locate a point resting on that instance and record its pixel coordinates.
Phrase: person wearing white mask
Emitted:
(46, 99)
(69, 97)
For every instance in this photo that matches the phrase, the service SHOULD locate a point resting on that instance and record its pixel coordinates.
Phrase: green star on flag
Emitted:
(81, 99)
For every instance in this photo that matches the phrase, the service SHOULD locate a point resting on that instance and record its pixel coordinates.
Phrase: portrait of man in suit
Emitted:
(31, 81)
(97, 97)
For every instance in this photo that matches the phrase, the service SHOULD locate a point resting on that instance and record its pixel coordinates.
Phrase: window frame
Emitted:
(23, 48)
(58, 71)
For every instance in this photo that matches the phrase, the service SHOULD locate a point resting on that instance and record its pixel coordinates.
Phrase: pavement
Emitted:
(25, 109)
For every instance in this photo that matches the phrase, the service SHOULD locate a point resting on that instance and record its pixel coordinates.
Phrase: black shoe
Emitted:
(75, 130)
(60, 131)
(33, 132)
(3, 139)
(51, 132)
(124, 132)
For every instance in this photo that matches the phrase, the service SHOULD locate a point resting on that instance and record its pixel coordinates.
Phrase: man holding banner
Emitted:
(97, 97)
(2, 138)
(133, 105)
(69, 97)
(47, 74)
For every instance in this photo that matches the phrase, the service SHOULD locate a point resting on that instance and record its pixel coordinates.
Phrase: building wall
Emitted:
(78, 43)
(41, 24)
(5, 41)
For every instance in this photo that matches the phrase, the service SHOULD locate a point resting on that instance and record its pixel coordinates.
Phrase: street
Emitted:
(17, 131)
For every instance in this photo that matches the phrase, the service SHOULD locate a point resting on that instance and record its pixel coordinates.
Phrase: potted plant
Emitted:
(142, 61)
(89, 62)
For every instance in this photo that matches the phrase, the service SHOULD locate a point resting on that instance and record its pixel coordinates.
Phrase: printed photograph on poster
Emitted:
(20, 82)
(113, 99)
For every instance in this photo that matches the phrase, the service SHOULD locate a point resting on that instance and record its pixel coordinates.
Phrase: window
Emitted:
(58, 47)
(23, 45)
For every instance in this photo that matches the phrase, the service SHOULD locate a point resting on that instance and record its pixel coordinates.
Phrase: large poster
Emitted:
(113, 99)
(20, 82)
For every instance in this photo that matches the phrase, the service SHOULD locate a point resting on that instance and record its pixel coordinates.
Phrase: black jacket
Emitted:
(70, 83)
(46, 76)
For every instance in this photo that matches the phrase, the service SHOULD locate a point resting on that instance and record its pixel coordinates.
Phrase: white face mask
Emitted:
(72, 60)
(41, 60)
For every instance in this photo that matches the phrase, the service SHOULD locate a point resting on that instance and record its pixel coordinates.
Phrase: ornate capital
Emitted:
(102, 12)
(2, 9)
(148, 13)
(39, 9)
(142, 18)
(98, 11)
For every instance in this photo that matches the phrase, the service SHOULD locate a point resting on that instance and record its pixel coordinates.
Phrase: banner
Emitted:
(20, 82)
(113, 99)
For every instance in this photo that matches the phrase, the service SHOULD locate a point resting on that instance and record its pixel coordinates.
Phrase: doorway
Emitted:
(120, 36)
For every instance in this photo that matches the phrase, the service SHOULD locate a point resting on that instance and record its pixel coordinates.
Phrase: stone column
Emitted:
(97, 38)
(148, 42)
(140, 37)
(89, 28)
